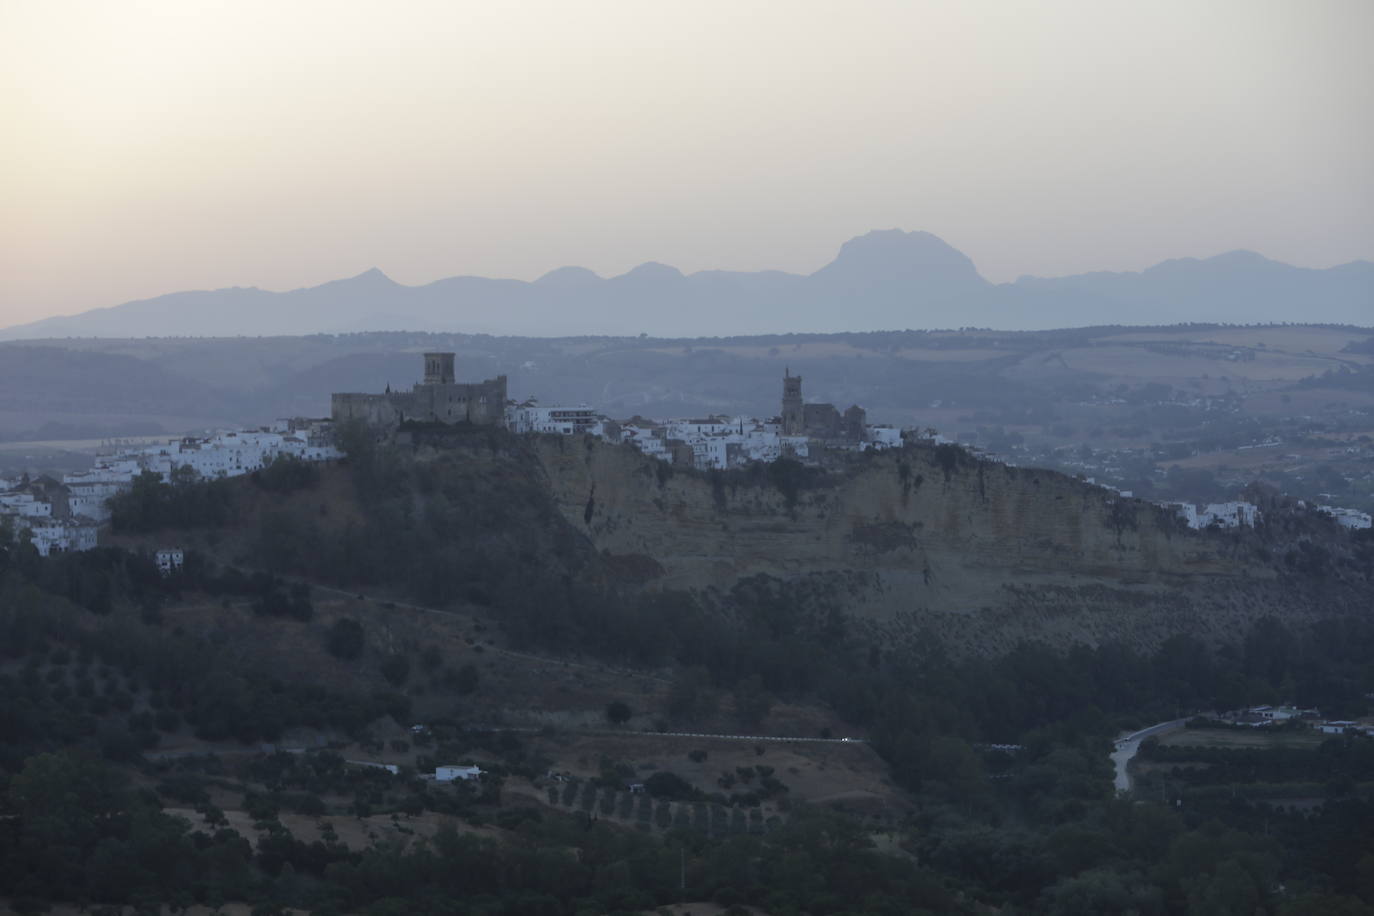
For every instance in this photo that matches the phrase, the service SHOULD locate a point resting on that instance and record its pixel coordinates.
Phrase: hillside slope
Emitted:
(566, 540)
(982, 555)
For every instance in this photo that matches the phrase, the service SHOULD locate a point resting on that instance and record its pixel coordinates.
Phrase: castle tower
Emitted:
(792, 422)
(438, 368)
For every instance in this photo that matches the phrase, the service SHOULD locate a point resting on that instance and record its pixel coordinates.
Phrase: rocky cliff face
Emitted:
(931, 541)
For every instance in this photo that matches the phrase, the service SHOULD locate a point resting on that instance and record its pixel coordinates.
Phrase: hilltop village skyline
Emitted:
(68, 515)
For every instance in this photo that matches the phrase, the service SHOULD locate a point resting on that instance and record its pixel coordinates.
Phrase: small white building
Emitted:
(1223, 515)
(880, 437)
(25, 505)
(1349, 518)
(1335, 727)
(53, 535)
(169, 560)
(1274, 713)
(457, 773)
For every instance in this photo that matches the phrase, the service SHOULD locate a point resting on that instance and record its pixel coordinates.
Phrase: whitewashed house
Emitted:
(1335, 727)
(1350, 518)
(56, 535)
(1224, 515)
(457, 773)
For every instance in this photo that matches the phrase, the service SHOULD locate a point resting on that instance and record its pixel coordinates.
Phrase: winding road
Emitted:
(1126, 746)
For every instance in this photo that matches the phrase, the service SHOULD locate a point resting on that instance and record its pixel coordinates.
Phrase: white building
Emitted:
(226, 454)
(65, 517)
(25, 505)
(451, 773)
(717, 442)
(169, 560)
(89, 493)
(880, 437)
(1274, 713)
(55, 535)
(1224, 515)
(1335, 727)
(1350, 518)
(566, 421)
(644, 439)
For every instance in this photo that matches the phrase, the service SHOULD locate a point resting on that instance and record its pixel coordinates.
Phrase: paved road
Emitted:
(1127, 745)
(629, 732)
(744, 737)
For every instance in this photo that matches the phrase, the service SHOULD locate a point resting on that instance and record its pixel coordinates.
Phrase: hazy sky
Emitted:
(156, 146)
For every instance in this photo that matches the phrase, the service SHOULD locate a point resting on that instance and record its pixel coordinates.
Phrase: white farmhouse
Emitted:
(453, 773)
(1335, 726)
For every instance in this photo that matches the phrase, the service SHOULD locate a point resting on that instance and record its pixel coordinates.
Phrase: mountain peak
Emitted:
(653, 270)
(568, 277)
(917, 260)
(1240, 259)
(372, 278)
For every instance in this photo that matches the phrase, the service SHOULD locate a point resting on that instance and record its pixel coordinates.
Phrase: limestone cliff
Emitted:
(930, 540)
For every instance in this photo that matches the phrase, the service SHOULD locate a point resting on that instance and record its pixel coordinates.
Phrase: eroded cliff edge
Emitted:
(932, 541)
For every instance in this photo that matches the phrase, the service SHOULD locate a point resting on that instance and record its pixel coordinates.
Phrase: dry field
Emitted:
(1307, 339)
(1139, 364)
(1255, 737)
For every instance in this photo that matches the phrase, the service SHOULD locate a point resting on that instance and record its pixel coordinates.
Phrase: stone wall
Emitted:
(373, 409)
(482, 403)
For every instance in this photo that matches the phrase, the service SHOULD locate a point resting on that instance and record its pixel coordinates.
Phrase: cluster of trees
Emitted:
(1340, 763)
(153, 680)
(100, 579)
(186, 501)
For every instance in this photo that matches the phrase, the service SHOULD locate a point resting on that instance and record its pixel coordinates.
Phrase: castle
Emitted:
(437, 399)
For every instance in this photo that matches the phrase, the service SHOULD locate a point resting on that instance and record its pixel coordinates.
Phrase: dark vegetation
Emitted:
(92, 677)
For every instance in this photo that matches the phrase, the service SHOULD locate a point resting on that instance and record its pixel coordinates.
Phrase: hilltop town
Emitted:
(66, 514)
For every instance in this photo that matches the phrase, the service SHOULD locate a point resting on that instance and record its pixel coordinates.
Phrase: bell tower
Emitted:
(792, 422)
(438, 368)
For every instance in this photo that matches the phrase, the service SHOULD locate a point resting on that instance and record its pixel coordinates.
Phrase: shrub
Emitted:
(346, 639)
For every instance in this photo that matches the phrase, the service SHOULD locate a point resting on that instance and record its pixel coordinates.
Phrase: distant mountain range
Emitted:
(884, 280)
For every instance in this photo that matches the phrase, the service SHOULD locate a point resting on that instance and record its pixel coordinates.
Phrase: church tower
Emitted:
(792, 423)
(438, 368)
